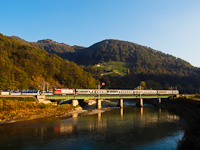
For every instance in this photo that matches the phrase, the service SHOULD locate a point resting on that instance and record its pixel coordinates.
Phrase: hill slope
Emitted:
(143, 59)
(26, 67)
(60, 49)
(156, 69)
(134, 62)
(52, 46)
(140, 59)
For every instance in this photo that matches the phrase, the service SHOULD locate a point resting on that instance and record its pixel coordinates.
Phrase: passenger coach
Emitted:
(113, 91)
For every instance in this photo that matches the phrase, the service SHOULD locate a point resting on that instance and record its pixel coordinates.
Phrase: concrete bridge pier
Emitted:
(157, 101)
(75, 102)
(99, 103)
(120, 103)
(41, 98)
(139, 102)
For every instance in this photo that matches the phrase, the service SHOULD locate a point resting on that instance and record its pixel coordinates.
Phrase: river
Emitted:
(129, 128)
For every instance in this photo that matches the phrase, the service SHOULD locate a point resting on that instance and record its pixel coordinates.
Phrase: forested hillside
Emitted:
(143, 59)
(26, 67)
(53, 47)
(61, 49)
(156, 69)
(141, 64)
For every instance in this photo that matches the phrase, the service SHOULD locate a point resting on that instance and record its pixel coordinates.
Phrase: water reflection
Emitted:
(122, 112)
(141, 111)
(127, 128)
(99, 117)
(75, 115)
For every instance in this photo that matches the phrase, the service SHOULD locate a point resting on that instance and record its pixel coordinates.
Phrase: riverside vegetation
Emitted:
(188, 108)
(19, 109)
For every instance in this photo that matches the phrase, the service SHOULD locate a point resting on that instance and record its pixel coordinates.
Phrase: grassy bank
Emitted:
(12, 110)
(189, 111)
(29, 99)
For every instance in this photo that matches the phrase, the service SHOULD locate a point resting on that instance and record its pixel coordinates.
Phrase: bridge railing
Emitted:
(59, 97)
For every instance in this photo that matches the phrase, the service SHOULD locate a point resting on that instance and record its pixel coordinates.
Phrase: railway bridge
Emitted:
(100, 98)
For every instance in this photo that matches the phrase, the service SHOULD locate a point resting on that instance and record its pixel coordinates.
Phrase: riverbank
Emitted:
(18, 109)
(189, 111)
(14, 110)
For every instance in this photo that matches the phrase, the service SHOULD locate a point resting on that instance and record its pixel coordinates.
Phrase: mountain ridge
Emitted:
(157, 69)
(73, 49)
(143, 59)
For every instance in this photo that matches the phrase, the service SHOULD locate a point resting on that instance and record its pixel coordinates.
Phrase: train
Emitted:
(113, 92)
(93, 92)
(26, 92)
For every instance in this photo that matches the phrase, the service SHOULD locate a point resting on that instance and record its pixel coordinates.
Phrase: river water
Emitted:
(130, 128)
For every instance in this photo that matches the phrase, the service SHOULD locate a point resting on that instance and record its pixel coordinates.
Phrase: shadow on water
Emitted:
(120, 128)
(126, 103)
(114, 103)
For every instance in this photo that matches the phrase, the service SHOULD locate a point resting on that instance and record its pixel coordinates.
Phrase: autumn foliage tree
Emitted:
(26, 67)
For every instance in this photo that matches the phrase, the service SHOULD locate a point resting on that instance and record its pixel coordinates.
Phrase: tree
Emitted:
(143, 85)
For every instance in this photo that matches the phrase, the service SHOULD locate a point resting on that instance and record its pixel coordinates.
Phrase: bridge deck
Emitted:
(61, 97)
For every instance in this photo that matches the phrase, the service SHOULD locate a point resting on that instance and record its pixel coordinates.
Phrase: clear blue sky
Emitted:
(171, 26)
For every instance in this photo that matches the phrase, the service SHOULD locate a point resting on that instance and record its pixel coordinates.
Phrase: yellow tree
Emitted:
(143, 85)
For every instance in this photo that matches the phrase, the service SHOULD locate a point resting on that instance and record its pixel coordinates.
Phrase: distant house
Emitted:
(99, 65)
